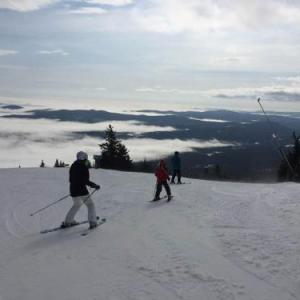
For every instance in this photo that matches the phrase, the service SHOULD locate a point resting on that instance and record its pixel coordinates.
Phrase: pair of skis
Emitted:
(84, 233)
(164, 197)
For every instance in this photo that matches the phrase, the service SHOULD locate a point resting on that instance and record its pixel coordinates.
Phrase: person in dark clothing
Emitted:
(79, 178)
(176, 167)
(162, 176)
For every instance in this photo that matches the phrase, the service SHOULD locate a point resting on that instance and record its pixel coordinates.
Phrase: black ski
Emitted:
(164, 197)
(161, 198)
(170, 199)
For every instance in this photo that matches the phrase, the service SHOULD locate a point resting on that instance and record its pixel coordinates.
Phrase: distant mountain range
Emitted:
(253, 155)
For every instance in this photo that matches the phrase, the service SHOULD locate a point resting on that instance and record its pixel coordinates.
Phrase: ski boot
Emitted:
(67, 225)
(93, 225)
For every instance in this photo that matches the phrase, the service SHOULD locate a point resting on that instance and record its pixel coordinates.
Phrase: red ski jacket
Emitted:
(161, 174)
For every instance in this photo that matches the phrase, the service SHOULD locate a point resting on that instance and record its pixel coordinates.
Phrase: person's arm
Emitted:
(90, 183)
(93, 185)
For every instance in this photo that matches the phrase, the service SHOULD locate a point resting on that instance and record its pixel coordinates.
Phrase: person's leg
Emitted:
(92, 217)
(173, 176)
(179, 176)
(158, 190)
(167, 188)
(77, 202)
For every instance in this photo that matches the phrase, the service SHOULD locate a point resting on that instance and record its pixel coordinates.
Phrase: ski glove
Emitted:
(94, 185)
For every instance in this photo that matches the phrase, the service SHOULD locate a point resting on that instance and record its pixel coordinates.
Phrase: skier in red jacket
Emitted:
(162, 176)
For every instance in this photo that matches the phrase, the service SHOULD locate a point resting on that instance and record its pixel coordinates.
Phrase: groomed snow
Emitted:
(214, 241)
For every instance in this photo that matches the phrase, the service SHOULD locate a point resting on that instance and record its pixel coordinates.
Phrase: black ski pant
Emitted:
(178, 173)
(159, 188)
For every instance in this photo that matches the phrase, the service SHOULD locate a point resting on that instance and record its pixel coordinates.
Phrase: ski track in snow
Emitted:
(213, 241)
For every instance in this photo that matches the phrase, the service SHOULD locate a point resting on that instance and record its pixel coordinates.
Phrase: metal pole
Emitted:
(64, 197)
(282, 153)
(88, 197)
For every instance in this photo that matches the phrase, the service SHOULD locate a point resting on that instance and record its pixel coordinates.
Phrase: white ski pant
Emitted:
(77, 202)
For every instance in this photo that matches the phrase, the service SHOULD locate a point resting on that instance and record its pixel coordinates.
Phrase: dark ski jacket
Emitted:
(176, 162)
(79, 179)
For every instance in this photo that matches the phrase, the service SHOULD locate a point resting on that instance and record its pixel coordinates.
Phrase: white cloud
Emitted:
(271, 92)
(101, 89)
(209, 120)
(27, 142)
(4, 52)
(49, 129)
(294, 80)
(166, 90)
(25, 5)
(110, 2)
(153, 149)
(88, 11)
(173, 16)
(288, 89)
(31, 5)
(53, 52)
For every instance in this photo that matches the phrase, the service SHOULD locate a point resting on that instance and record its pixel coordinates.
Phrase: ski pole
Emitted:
(89, 196)
(282, 153)
(51, 204)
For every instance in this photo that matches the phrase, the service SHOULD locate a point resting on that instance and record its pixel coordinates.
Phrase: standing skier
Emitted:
(162, 176)
(176, 167)
(79, 179)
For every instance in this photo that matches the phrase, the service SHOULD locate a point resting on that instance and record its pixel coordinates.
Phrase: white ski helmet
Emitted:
(81, 155)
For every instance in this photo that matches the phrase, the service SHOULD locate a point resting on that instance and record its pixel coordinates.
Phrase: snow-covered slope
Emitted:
(215, 240)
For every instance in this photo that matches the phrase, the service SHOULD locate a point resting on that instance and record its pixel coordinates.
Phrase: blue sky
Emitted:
(212, 53)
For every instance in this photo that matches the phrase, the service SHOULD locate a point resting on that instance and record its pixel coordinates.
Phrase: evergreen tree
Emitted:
(123, 159)
(56, 164)
(114, 155)
(293, 156)
(42, 165)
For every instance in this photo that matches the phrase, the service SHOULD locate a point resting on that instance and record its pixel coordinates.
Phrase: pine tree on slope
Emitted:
(114, 155)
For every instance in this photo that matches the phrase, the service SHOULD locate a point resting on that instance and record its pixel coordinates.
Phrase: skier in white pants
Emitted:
(79, 179)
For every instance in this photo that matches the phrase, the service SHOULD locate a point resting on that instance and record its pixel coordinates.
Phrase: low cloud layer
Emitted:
(47, 128)
(27, 142)
(155, 149)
